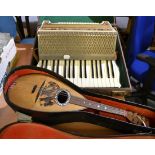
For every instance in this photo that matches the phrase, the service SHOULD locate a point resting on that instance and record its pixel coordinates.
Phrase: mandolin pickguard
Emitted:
(20, 93)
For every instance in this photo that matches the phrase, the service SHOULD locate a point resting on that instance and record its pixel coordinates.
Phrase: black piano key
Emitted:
(80, 68)
(101, 69)
(85, 69)
(92, 69)
(73, 68)
(65, 69)
(46, 63)
(107, 69)
(42, 62)
(96, 68)
(69, 68)
(112, 69)
(53, 65)
(57, 66)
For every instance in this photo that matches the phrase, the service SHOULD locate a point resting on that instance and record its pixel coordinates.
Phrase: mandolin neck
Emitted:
(97, 106)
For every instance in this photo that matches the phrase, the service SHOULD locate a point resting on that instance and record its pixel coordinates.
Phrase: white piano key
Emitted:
(67, 69)
(110, 72)
(71, 71)
(116, 74)
(39, 63)
(83, 80)
(103, 75)
(44, 64)
(90, 81)
(61, 67)
(86, 74)
(49, 65)
(55, 66)
(77, 79)
(104, 71)
(75, 75)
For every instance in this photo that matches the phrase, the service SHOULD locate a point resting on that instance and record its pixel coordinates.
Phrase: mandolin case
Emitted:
(22, 88)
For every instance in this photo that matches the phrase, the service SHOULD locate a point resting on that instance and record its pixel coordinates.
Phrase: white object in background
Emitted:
(9, 52)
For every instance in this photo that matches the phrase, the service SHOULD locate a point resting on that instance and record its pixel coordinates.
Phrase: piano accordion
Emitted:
(87, 54)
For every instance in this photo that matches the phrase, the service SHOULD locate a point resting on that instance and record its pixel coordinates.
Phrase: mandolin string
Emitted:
(63, 93)
(116, 109)
(28, 83)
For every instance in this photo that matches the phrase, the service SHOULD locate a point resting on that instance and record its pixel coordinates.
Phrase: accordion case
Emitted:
(50, 99)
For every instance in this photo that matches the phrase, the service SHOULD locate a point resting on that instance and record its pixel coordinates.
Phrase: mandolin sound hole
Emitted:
(63, 97)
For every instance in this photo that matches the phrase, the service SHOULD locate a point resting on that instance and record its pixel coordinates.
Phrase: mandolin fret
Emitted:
(97, 106)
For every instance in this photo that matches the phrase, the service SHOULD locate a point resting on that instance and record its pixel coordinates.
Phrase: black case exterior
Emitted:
(79, 116)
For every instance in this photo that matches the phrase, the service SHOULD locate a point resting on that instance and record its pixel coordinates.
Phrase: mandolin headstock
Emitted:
(137, 119)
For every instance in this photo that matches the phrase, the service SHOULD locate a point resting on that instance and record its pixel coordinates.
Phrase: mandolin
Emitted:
(47, 93)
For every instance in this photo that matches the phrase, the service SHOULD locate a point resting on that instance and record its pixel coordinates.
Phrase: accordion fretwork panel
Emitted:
(78, 40)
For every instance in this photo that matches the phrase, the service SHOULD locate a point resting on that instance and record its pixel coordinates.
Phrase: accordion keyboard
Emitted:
(86, 73)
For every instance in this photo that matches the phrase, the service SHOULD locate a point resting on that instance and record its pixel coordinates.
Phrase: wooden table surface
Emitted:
(23, 57)
(24, 54)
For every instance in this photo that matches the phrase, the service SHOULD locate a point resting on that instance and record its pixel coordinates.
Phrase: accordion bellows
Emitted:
(77, 40)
